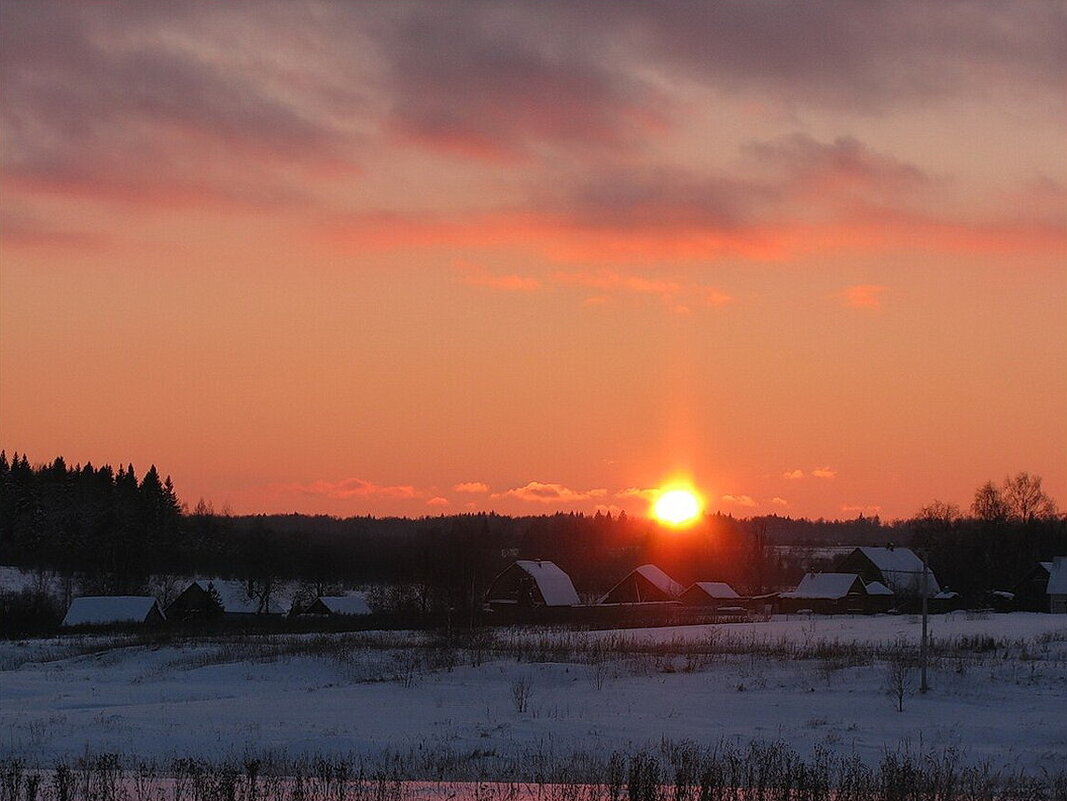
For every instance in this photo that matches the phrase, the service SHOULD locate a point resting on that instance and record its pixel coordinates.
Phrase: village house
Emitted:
(105, 610)
(837, 593)
(644, 584)
(208, 598)
(337, 605)
(710, 593)
(899, 569)
(1057, 586)
(530, 584)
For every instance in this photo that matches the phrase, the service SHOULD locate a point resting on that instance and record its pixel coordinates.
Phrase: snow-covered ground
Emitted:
(211, 700)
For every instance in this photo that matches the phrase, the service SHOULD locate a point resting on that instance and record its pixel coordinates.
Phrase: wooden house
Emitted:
(108, 610)
(531, 584)
(836, 593)
(899, 569)
(644, 584)
(710, 593)
(337, 605)
(204, 599)
(1057, 586)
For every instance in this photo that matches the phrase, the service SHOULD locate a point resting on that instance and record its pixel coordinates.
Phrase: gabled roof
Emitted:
(715, 589)
(345, 604)
(234, 596)
(660, 580)
(1057, 577)
(103, 609)
(555, 585)
(878, 588)
(829, 586)
(901, 568)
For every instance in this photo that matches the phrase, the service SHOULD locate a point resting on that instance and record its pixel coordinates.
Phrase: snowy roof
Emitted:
(555, 585)
(824, 585)
(901, 568)
(661, 580)
(104, 609)
(345, 604)
(878, 588)
(1057, 577)
(716, 589)
(234, 596)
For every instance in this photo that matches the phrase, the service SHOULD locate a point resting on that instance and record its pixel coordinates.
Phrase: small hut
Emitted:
(106, 610)
(337, 605)
(208, 598)
(900, 569)
(530, 584)
(644, 584)
(710, 593)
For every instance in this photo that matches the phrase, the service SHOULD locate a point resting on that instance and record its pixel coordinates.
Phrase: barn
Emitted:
(710, 593)
(644, 584)
(208, 598)
(530, 584)
(337, 605)
(900, 569)
(105, 610)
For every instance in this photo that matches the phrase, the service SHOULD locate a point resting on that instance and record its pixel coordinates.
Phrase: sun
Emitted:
(677, 507)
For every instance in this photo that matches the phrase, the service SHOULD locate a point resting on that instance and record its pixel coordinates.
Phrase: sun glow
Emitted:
(677, 507)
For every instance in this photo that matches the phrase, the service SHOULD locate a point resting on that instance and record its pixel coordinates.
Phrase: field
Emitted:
(517, 699)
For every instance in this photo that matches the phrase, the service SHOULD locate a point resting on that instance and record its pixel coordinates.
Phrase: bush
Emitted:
(28, 612)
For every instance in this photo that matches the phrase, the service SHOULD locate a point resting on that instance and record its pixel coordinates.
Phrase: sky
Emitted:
(431, 258)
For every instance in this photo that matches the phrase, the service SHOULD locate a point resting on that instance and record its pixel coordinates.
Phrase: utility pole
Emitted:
(923, 686)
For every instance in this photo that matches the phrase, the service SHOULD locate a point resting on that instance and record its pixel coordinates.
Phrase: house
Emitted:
(532, 583)
(104, 610)
(1057, 586)
(830, 593)
(1031, 593)
(710, 593)
(900, 569)
(645, 583)
(337, 605)
(208, 598)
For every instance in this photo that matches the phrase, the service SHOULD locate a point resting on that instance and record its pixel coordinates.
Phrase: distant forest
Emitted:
(108, 531)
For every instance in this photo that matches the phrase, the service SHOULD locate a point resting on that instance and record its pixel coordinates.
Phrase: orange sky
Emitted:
(362, 258)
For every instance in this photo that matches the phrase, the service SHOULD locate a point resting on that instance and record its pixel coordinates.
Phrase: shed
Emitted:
(338, 605)
(709, 593)
(828, 593)
(103, 610)
(1057, 586)
(532, 583)
(900, 569)
(1031, 593)
(207, 598)
(645, 583)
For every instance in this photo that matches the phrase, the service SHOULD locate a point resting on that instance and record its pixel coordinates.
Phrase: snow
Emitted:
(878, 588)
(717, 589)
(661, 580)
(555, 585)
(101, 609)
(346, 604)
(216, 700)
(823, 585)
(902, 569)
(1057, 578)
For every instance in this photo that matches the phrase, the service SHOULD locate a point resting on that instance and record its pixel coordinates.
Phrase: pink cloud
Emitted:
(472, 487)
(475, 275)
(538, 492)
(636, 492)
(351, 488)
(863, 296)
(824, 472)
(739, 500)
(793, 475)
(438, 501)
(779, 501)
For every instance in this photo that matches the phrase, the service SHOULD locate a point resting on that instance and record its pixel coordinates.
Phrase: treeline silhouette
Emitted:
(107, 531)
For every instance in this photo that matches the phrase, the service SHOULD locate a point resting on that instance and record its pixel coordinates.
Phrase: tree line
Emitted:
(107, 531)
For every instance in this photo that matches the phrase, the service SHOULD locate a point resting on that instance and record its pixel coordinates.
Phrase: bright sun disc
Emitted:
(677, 507)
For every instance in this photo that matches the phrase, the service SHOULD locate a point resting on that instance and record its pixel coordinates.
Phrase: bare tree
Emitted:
(989, 504)
(1025, 499)
(898, 677)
